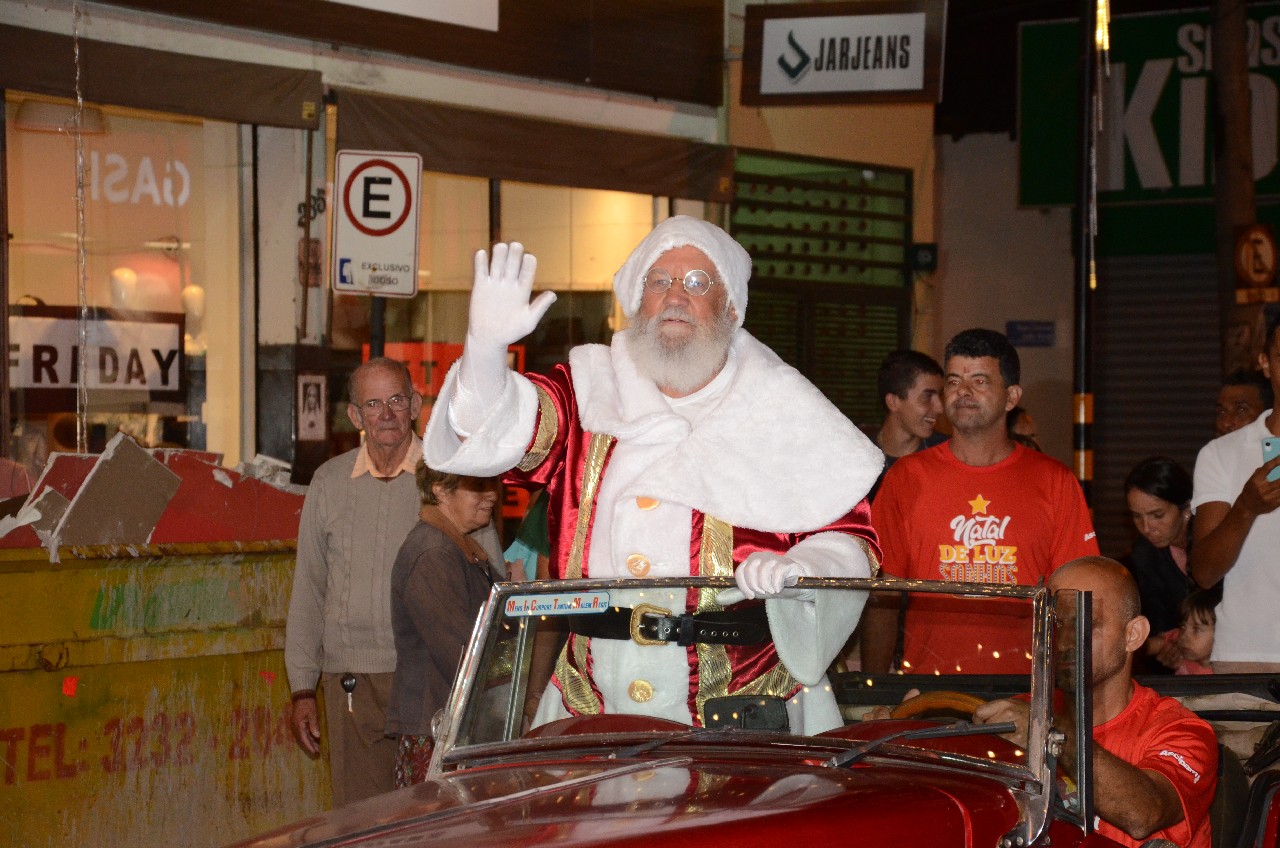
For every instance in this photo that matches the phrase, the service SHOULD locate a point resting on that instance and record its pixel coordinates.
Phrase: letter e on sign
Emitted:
(376, 223)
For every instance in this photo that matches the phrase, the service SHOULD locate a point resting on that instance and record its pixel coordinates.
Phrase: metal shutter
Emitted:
(1157, 373)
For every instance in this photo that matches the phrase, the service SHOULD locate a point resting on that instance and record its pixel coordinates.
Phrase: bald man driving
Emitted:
(1155, 763)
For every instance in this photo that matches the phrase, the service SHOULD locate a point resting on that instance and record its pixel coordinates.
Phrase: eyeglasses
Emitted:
(696, 283)
(373, 406)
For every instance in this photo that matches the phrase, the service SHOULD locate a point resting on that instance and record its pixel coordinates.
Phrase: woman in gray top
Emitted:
(438, 585)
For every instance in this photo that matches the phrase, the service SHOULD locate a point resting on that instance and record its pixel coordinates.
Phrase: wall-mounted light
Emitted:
(49, 117)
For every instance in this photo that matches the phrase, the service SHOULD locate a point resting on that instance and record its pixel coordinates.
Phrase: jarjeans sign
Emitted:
(843, 53)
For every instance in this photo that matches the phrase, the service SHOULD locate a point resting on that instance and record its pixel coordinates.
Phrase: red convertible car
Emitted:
(700, 719)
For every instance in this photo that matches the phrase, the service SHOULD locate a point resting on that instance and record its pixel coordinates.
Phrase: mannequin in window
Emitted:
(193, 305)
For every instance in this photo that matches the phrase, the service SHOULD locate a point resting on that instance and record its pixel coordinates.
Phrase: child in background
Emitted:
(1195, 637)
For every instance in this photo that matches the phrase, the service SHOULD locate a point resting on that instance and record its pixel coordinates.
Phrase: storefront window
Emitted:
(579, 236)
(161, 282)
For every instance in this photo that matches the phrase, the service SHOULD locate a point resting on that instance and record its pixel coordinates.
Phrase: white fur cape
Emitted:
(774, 454)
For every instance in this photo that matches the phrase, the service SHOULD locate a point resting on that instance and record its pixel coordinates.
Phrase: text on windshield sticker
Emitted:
(576, 603)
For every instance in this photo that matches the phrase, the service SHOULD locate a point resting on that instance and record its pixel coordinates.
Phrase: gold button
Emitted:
(638, 564)
(647, 503)
(640, 691)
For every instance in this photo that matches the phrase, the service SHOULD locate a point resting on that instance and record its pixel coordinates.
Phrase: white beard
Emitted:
(683, 365)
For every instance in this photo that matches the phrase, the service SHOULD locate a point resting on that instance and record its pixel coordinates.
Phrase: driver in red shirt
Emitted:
(1155, 763)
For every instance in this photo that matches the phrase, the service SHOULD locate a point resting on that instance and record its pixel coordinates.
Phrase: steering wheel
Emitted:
(938, 704)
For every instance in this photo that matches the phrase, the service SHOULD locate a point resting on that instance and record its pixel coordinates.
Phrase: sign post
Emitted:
(375, 225)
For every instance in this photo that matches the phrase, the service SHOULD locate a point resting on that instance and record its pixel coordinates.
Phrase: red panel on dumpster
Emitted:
(216, 504)
(65, 472)
(211, 504)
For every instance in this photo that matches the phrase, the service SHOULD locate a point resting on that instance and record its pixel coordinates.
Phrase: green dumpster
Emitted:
(143, 697)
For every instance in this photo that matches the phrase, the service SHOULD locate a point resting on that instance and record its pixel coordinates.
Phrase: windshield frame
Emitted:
(1034, 784)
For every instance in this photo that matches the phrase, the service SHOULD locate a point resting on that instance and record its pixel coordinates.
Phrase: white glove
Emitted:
(765, 575)
(501, 314)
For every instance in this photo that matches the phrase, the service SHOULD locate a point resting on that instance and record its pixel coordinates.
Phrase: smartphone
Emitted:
(1270, 450)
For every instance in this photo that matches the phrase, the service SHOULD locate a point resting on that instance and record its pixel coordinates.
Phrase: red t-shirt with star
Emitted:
(1158, 734)
(1011, 523)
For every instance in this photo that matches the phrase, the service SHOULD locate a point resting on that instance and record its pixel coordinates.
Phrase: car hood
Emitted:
(689, 799)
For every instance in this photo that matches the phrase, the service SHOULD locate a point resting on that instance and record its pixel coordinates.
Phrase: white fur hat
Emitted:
(733, 263)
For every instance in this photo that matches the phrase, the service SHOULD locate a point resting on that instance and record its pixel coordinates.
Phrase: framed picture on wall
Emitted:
(313, 407)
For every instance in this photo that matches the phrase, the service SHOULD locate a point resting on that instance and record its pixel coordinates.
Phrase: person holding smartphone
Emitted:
(1237, 532)
(1158, 491)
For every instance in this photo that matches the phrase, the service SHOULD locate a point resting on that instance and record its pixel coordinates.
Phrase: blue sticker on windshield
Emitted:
(571, 603)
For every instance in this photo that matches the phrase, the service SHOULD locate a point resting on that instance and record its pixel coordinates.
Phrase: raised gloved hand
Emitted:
(766, 575)
(501, 313)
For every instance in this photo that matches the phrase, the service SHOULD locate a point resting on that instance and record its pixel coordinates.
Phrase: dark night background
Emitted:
(980, 69)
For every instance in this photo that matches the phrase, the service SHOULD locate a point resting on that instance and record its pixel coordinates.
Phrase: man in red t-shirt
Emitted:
(1155, 764)
(980, 508)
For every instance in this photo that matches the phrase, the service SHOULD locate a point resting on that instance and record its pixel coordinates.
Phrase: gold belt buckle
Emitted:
(638, 612)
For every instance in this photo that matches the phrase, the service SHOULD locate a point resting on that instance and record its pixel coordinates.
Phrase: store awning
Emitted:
(489, 144)
(121, 75)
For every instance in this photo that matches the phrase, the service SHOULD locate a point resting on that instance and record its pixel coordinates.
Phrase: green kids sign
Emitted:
(1155, 149)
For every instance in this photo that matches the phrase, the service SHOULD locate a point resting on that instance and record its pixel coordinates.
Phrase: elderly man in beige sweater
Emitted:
(358, 510)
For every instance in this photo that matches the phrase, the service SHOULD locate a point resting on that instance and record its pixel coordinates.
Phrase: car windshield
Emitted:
(628, 666)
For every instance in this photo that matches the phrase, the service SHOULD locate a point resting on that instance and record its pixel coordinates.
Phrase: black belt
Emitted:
(650, 625)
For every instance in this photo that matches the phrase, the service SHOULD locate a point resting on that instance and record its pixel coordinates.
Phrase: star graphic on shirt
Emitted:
(979, 504)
